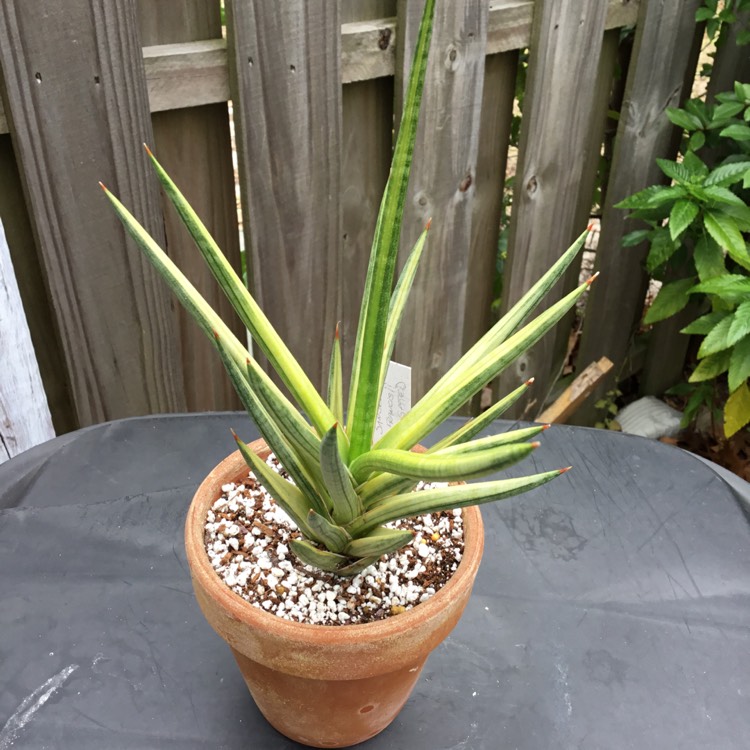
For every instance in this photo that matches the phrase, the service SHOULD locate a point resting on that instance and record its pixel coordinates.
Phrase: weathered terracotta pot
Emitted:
(322, 685)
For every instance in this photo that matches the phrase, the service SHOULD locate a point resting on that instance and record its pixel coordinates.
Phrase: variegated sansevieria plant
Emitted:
(342, 490)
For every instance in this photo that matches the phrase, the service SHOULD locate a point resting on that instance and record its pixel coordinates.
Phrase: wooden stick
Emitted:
(575, 394)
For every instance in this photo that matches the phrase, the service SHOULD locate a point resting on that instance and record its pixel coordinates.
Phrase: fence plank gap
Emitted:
(78, 114)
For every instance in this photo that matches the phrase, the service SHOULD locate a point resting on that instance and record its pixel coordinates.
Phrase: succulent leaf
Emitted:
(380, 541)
(247, 308)
(311, 555)
(456, 496)
(346, 504)
(439, 466)
(334, 537)
(336, 380)
(369, 350)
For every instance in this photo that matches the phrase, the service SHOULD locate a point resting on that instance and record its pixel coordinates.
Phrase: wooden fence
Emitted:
(314, 86)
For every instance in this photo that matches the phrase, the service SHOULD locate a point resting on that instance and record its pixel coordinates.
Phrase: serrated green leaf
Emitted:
(741, 216)
(662, 248)
(717, 339)
(641, 199)
(666, 195)
(739, 364)
(704, 324)
(380, 541)
(742, 91)
(675, 170)
(703, 14)
(439, 466)
(740, 323)
(737, 132)
(722, 195)
(338, 481)
(746, 176)
(737, 411)
(373, 321)
(711, 367)
(730, 286)
(458, 496)
(635, 238)
(683, 119)
(671, 299)
(693, 164)
(681, 217)
(724, 230)
(727, 174)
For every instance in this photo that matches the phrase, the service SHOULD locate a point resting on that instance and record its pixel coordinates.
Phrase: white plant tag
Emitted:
(395, 400)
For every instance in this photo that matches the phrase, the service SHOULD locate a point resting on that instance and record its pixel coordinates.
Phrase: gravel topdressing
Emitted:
(247, 541)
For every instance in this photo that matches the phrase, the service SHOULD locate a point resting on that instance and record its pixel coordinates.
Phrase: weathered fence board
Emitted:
(442, 186)
(25, 420)
(194, 146)
(367, 132)
(76, 97)
(655, 82)
(494, 132)
(31, 284)
(555, 153)
(287, 97)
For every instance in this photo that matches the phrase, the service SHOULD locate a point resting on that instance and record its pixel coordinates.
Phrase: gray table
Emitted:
(612, 609)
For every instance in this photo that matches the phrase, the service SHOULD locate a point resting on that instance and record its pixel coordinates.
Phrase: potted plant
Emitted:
(344, 496)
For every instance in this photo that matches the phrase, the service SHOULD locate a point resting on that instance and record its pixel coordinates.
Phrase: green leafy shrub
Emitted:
(698, 230)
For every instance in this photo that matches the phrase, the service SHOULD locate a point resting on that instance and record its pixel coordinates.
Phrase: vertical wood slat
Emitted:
(75, 93)
(442, 184)
(555, 152)
(194, 146)
(286, 87)
(25, 420)
(494, 135)
(32, 288)
(655, 81)
(367, 128)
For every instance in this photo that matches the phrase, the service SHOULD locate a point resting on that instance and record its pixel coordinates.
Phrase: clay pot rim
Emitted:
(233, 468)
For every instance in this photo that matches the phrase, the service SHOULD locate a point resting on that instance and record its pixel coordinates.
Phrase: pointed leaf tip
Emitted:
(428, 224)
(590, 227)
(530, 381)
(103, 186)
(148, 150)
(565, 470)
(337, 335)
(546, 427)
(593, 278)
(535, 444)
(234, 435)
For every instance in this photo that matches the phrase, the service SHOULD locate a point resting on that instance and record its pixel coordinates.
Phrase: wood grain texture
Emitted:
(286, 89)
(494, 133)
(25, 420)
(560, 141)
(194, 146)
(654, 82)
(442, 184)
(75, 92)
(732, 62)
(190, 74)
(32, 287)
(367, 130)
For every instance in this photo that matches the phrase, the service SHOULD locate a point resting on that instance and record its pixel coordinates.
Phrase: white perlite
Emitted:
(247, 538)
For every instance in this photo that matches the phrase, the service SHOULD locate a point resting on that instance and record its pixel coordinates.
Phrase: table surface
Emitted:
(612, 608)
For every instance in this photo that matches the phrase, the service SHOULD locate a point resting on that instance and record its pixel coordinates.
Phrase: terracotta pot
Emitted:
(323, 685)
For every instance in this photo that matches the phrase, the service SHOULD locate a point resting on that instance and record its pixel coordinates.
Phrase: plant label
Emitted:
(395, 400)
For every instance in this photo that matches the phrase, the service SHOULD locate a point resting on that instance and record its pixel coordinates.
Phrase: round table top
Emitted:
(612, 607)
